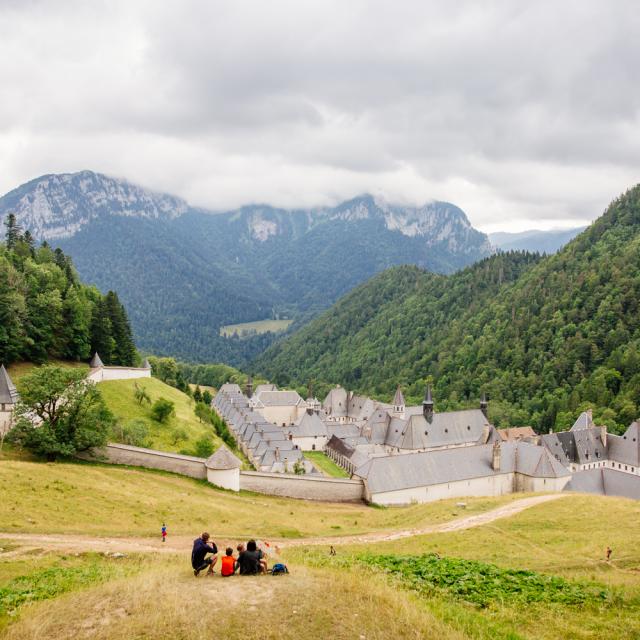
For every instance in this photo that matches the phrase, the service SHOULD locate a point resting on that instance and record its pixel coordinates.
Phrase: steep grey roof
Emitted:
(584, 421)
(342, 430)
(223, 459)
(8, 392)
(398, 399)
(278, 398)
(580, 446)
(308, 426)
(405, 471)
(340, 446)
(626, 448)
(606, 482)
(336, 403)
(264, 387)
(446, 429)
(95, 361)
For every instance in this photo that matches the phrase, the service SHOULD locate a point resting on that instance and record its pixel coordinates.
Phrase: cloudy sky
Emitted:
(525, 114)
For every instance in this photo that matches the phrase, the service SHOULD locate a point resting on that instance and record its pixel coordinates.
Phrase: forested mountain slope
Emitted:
(184, 272)
(46, 311)
(543, 337)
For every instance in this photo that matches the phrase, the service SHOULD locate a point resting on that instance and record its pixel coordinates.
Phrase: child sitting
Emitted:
(228, 563)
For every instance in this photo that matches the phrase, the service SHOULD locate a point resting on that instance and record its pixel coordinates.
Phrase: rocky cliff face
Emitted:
(59, 205)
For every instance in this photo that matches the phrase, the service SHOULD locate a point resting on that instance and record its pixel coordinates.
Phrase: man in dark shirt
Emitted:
(249, 561)
(200, 550)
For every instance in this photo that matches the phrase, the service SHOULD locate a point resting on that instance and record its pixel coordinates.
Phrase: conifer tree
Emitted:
(14, 232)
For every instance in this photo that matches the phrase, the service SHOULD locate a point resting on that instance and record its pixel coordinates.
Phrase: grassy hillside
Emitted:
(548, 577)
(112, 500)
(544, 338)
(119, 396)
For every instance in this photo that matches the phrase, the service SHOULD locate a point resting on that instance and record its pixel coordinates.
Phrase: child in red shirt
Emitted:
(228, 563)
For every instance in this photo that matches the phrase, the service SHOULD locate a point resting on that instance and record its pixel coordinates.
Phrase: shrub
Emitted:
(203, 447)
(178, 435)
(162, 409)
(134, 432)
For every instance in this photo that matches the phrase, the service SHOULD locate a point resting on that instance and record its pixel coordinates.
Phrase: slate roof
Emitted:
(308, 425)
(278, 398)
(605, 482)
(584, 421)
(445, 429)
(95, 361)
(336, 403)
(223, 459)
(579, 446)
(398, 399)
(405, 471)
(264, 387)
(626, 448)
(8, 392)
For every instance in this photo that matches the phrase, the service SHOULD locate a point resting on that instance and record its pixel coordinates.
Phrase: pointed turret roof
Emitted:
(95, 361)
(146, 364)
(8, 392)
(427, 396)
(398, 399)
(223, 459)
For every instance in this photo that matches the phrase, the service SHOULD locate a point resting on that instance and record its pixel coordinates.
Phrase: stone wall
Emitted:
(304, 487)
(103, 374)
(151, 459)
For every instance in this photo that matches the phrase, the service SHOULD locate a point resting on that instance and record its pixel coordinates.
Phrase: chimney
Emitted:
(249, 387)
(603, 436)
(485, 434)
(495, 462)
(484, 405)
(277, 454)
(427, 405)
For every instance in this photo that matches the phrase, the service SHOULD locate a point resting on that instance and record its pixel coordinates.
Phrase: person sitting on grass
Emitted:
(199, 561)
(229, 564)
(251, 561)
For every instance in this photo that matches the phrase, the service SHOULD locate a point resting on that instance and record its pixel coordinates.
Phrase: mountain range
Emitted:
(544, 337)
(534, 240)
(183, 272)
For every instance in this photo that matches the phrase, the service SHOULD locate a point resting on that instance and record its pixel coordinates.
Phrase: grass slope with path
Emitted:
(323, 462)
(487, 581)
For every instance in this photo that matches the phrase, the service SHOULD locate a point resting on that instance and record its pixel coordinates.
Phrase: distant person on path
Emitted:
(164, 532)
(251, 561)
(199, 561)
(228, 563)
(609, 552)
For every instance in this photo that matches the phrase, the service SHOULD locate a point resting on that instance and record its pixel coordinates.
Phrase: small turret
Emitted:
(249, 387)
(484, 405)
(146, 364)
(95, 361)
(427, 405)
(398, 402)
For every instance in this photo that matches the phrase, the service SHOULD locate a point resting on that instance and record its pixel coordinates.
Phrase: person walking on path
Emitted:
(164, 532)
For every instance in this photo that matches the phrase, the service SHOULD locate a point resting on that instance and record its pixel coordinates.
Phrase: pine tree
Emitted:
(14, 232)
(102, 341)
(124, 352)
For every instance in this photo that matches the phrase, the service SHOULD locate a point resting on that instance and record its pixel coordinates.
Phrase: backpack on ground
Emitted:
(279, 569)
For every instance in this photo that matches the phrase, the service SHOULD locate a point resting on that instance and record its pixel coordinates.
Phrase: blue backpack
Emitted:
(279, 569)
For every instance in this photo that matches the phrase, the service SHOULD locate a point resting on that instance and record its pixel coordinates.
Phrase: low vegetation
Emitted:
(323, 462)
(247, 329)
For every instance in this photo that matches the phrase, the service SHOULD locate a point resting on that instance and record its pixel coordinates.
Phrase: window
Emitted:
(313, 447)
(468, 428)
(446, 430)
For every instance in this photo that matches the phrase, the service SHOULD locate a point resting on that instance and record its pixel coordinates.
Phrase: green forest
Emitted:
(544, 337)
(46, 312)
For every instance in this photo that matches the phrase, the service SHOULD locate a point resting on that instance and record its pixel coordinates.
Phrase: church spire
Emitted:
(427, 404)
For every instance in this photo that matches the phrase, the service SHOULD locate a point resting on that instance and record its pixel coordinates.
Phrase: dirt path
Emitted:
(181, 544)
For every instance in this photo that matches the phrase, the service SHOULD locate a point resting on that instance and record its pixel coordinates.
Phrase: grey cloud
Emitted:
(515, 111)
